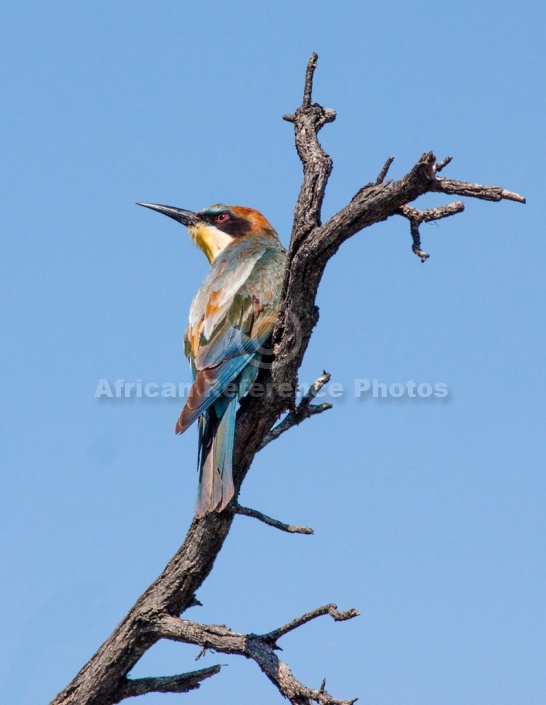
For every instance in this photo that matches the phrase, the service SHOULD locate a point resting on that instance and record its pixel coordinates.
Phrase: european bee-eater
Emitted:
(231, 317)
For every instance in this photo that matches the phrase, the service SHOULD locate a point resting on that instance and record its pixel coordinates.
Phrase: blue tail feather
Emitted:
(216, 435)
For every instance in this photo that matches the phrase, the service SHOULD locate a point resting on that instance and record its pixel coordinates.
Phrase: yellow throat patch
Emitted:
(209, 239)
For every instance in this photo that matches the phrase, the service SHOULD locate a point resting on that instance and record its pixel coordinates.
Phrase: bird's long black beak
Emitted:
(185, 217)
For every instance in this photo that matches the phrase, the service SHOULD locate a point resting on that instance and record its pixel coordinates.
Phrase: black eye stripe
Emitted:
(233, 226)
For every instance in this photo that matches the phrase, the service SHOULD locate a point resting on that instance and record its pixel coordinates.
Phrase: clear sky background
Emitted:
(429, 513)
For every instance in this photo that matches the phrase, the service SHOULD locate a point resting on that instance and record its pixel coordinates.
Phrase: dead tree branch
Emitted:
(103, 680)
(417, 217)
(332, 610)
(259, 648)
(484, 193)
(289, 528)
(308, 119)
(384, 171)
(304, 410)
(441, 165)
(165, 684)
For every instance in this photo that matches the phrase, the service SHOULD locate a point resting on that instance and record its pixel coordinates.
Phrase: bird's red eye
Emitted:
(222, 217)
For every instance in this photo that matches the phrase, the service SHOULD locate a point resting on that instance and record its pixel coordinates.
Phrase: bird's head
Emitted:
(216, 227)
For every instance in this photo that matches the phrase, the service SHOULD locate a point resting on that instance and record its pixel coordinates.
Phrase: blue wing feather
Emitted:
(209, 384)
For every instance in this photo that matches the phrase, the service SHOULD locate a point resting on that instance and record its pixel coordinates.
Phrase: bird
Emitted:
(231, 318)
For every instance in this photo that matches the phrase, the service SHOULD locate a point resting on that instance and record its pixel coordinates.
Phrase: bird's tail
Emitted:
(216, 434)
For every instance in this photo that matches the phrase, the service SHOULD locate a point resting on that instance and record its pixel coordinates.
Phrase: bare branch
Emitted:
(260, 648)
(315, 388)
(484, 193)
(384, 171)
(369, 206)
(432, 213)
(308, 90)
(308, 119)
(442, 165)
(246, 511)
(209, 636)
(303, 410)
(416, 217)
(165, 684)
(319, 612)
(416, 237)
(294, 419)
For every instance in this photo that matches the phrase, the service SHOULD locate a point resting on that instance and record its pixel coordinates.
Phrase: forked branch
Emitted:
(304, 410)
(260, 648)
(417, 217)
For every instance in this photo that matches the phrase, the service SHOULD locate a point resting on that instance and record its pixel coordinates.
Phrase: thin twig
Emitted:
(308, 90)
(330, 609)
(294, 418)
(416, 237)
(304, 410)
(255, 514)
(442, 165)
(384, 171)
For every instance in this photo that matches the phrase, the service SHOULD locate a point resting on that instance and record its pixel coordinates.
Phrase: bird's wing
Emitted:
(232, 315)
(216, 330)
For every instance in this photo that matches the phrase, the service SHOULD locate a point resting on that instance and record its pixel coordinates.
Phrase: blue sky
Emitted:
(429, 513)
